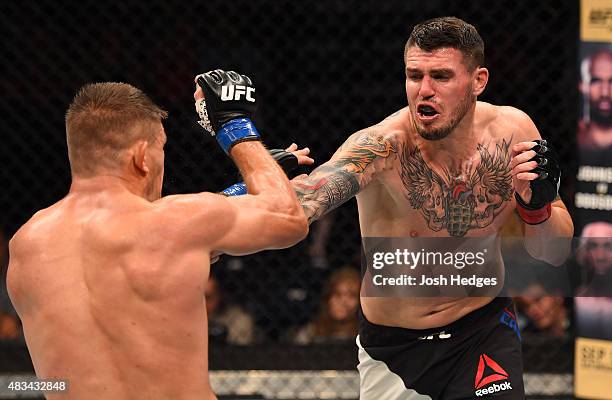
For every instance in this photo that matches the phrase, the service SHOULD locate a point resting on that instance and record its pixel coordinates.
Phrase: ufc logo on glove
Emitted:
(227, 107)
(233, 92)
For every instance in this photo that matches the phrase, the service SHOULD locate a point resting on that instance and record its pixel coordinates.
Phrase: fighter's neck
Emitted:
(460, 144)
(108, 183)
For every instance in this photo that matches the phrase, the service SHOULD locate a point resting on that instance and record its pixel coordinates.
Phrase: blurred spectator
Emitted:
(9, 327)
(594, 305)
(227, 323)
(540, 312)
(595, 257)
(337, 317)
(540, 309)
(9, 324)
(596, 127)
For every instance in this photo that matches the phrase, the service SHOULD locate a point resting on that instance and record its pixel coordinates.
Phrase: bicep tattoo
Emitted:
(338, 180)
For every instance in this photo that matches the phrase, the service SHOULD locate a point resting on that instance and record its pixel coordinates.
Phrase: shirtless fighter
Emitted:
(109, 282)
(445, 166)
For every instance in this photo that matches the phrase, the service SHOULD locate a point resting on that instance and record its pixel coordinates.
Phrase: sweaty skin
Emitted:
(109, 282)
(409, 186)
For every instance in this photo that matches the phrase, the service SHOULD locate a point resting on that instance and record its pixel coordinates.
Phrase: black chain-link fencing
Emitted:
(324, 69)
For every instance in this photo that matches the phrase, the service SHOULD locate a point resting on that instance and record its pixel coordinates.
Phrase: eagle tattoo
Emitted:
(459, 200)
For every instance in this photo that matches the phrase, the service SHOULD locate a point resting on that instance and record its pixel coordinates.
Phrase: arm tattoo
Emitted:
(339, 180)
(325, 189)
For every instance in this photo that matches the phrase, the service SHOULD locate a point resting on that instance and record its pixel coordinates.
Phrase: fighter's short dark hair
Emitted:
(450, 32)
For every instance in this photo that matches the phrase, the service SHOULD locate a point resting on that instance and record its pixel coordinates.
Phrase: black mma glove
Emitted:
(288, 162)
(227, 107)
(544, 189)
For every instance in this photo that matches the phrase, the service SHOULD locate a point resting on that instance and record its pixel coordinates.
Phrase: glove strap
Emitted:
(237, 189)
(236, 131)
(532, 216)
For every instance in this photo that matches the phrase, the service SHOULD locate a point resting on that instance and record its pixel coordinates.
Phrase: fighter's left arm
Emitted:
(536, 174)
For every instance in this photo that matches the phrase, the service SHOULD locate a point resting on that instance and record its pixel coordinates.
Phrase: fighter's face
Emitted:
(600, 88)
(155, 162)
(440, 90)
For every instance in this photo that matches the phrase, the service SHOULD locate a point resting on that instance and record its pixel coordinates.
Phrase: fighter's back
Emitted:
(109, 282)
(100, 284)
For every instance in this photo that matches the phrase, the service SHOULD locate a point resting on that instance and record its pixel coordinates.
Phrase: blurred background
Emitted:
(282, 323)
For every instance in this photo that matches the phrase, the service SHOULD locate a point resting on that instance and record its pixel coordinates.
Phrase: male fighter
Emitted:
(109, 282)
(445, 166)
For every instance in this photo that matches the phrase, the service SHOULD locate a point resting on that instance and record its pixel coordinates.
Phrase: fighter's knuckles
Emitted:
(217, 76)
(234, 76)
(247, 80)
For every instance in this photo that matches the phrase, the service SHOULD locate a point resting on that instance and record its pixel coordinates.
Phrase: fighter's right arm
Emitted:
(270, 209)
(350, 169)
(269, 216)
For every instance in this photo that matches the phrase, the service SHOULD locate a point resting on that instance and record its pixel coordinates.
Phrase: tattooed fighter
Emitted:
(445, 166)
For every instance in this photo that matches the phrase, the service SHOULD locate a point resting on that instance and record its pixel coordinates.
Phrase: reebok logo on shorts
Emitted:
(489, 376)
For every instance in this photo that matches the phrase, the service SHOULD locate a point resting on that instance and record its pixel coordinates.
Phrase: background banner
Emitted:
(593, 200)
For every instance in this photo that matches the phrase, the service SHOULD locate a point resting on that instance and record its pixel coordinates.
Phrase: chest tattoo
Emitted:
(458, 201)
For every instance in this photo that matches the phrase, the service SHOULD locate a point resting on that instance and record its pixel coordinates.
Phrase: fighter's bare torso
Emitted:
(111, 300)
(462, 190)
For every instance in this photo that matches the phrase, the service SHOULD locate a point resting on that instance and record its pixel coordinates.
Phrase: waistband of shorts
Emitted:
(371, 334)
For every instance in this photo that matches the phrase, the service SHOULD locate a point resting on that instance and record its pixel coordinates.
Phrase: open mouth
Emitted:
(427, 112)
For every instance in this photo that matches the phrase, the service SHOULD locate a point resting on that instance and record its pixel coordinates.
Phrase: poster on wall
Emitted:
(593, 202)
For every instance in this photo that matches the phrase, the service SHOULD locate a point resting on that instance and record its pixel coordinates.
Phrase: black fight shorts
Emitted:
(475, 357)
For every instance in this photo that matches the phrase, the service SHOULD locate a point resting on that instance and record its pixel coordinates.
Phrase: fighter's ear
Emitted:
(139, 157)
(481, 77)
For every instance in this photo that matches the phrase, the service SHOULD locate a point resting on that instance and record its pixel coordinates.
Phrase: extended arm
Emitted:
(269, 216)
(353, 166)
